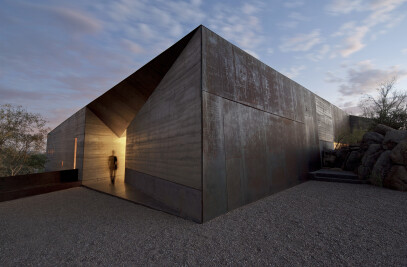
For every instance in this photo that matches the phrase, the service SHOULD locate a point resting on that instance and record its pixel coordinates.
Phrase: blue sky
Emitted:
(57, 56)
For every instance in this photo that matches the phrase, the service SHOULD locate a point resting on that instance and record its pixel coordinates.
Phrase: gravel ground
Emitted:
(315, 223)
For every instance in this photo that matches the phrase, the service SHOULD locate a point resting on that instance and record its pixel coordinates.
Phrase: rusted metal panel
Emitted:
(261, 128)
(248, 89)
(254, 152)
(234, 156)
(235, 75)
(258, 152)
(287, 98)
(219, 72)
(324, 119)
(245, 150)
(311, 131)
(118, 106)
(165, 138)
(214, 171)
(341, 122)
(100, 141)
(275, 152)
(61, 144)
(298, 101)
(232, 73)
(359, 123)
(332, 121)
(273, 88)
(167, 196)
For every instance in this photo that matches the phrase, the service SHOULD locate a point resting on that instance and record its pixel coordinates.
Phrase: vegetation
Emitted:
(349, 139)
(22, 141)
(388, 108)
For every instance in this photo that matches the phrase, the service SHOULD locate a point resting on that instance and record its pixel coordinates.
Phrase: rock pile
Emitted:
(381, 158)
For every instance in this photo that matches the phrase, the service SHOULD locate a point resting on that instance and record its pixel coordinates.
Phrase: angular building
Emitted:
(201, 129)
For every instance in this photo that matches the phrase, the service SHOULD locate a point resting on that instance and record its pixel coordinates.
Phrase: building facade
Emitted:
(202, 129)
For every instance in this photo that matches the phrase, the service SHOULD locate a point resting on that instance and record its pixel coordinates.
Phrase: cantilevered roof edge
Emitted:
(118, 106)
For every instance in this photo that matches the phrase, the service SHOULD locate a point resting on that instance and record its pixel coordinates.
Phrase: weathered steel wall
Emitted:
(260, 129)
(118, 106)
(359, 123)
(164, 140)
(332, 123)
(324, 119)
(100, 141)
(61, 144)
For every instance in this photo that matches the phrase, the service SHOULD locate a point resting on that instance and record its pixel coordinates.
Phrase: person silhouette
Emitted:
(112, 167)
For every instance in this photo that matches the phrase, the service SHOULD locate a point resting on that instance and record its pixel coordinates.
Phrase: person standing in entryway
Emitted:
(112, 167)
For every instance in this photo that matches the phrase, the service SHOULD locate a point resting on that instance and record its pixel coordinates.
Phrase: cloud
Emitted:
(293, 71)
(301, 42)
(239, 24)
(249, 9)
(153, 24)
(347, 104)
(294, 19)
(338, 7)
(133, 47)
(352, 110)
(382, 15)
(320, 54)
(75, 20)
(15, 95)
(298, 16)
(354, 41)
(330, 77)
(404, 51)
(364, 78)
(289, 24)
(72, 20)
(293, 4)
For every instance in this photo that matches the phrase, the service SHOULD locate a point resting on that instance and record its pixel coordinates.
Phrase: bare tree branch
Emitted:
(389, 107)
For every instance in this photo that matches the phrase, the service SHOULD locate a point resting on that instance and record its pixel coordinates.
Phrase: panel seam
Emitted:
(202, 160)
(255, 108)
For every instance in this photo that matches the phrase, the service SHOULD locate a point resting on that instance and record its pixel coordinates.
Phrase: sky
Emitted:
(57, 56)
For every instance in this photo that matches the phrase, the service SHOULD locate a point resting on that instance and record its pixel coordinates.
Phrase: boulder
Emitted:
(352, 161)
(381, 168)
(382, 129)
(368, 160)
(392, 138)
(399, 154)
(397, 178)
(371, 138)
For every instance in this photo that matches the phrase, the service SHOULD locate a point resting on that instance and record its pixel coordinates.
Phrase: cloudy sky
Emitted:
(57, 56)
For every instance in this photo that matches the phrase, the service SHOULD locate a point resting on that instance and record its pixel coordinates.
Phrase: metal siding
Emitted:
(164, 139)
(261, 131)
(61, 142)
(118, 106)
(100, 141)
(167, 196)
(214, 172)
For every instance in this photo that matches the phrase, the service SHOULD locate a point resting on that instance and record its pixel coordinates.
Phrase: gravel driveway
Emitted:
(315, 223)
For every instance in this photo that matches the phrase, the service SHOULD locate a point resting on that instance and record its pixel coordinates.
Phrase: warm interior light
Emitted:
(74, 153)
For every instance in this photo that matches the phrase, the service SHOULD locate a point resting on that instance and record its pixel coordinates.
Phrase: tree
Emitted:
(22, 140)
(388, 108)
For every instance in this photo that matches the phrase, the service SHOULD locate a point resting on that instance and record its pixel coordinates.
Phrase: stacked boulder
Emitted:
(381, 158)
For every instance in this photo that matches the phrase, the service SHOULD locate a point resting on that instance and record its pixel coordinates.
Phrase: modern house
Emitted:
(202, 129)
